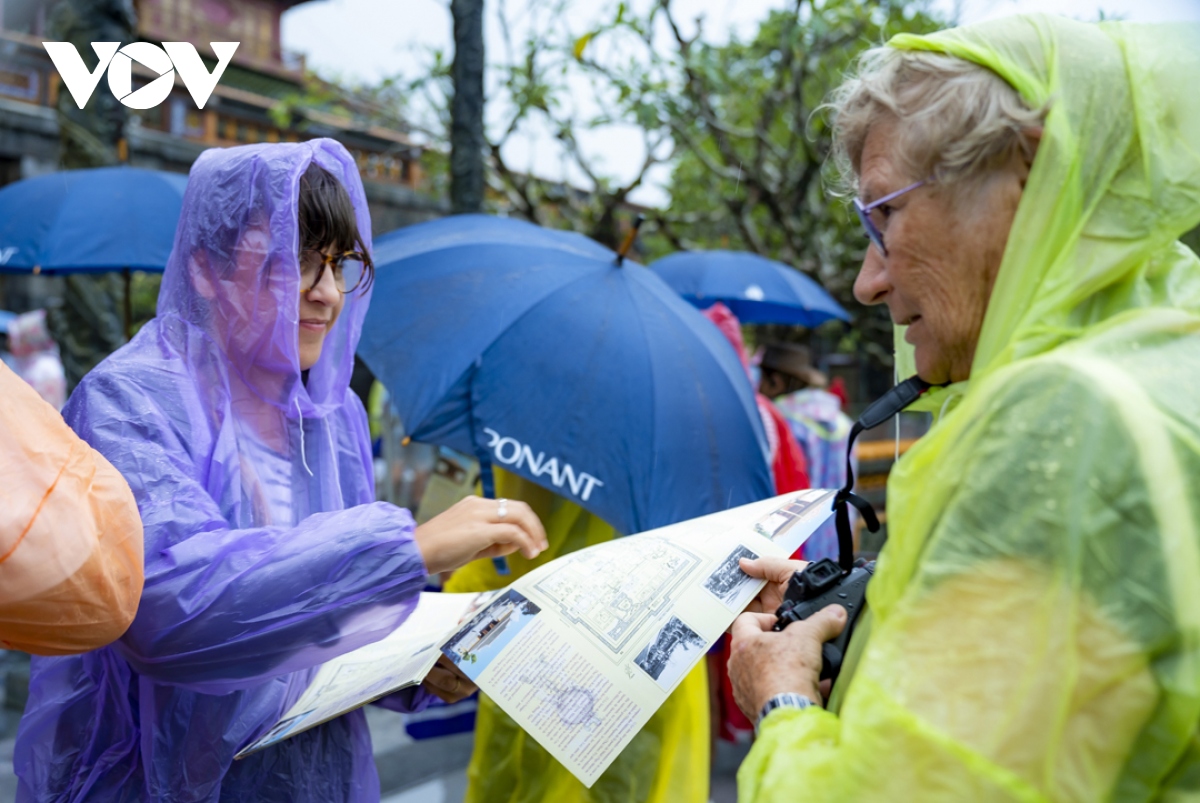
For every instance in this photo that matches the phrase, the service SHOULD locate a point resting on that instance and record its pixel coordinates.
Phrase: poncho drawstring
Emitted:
(303, 459)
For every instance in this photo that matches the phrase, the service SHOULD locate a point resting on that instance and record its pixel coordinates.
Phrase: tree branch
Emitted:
(517, 190)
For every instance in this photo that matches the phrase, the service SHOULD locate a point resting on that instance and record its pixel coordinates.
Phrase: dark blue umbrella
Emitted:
(533, 350)
(758, 290)
(101, 219)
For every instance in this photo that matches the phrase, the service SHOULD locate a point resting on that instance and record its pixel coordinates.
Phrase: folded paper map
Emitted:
(583, 650)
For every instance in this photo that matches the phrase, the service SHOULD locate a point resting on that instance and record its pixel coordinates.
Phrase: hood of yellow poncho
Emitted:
(1094, 244)
(1115, 183)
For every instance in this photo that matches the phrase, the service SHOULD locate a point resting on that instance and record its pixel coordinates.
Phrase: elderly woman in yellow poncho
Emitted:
(1034, 623)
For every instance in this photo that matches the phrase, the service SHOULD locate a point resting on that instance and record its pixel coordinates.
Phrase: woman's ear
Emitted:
(1031, 139)
(199, 271)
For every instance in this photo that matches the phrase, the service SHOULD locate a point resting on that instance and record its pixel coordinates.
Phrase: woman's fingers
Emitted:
(448, 684)
(440, 679)
(829, 622)
(752, 623)
(523, 515)
(522, 539)
(773, 570)
(777, 572)
(520, 515)
(505, 539)
(473, 528)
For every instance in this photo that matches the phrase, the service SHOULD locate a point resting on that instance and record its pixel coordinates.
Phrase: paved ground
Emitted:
(450, 787)
(8, 729)
(8, 781)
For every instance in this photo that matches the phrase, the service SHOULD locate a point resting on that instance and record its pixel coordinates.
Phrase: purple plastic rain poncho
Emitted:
(265, 552)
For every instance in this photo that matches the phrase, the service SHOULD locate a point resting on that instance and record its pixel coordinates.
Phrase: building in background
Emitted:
(261, 77)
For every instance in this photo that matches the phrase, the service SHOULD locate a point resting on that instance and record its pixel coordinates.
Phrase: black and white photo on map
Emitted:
(780, 521)
(727, 581)
(670, 653)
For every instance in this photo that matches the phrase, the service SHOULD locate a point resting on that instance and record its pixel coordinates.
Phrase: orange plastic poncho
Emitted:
(70, 535)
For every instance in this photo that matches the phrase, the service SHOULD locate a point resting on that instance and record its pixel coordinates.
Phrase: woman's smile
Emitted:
(314, 325)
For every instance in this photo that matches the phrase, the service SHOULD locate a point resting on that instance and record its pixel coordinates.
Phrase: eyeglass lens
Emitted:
(347, 269)
(873, 232)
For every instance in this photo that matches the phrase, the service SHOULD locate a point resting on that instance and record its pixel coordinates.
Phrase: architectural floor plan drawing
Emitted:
(609, 592)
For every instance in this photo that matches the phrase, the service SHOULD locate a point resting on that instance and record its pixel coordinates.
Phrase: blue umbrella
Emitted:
(758, 290)
(533, 350)
(101, 219)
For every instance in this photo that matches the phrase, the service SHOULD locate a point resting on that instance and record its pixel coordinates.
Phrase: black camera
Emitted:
(820, 584)
(844, 581)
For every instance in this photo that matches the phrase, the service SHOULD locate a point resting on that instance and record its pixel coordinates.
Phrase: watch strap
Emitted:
(785, 700)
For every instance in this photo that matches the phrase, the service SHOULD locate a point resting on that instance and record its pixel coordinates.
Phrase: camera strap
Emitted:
(881, 410)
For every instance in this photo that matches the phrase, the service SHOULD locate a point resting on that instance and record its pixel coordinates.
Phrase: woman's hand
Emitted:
(763, 663)
(777, 572)
(474, 528)
(447, 683)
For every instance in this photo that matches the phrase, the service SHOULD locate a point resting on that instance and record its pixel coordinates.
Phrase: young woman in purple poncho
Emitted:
(230, 415)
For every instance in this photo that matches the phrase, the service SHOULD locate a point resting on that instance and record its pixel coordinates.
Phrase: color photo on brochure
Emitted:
(584, 649)
(483, 638)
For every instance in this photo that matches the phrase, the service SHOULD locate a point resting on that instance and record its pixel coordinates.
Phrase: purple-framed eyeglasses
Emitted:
(864, 214)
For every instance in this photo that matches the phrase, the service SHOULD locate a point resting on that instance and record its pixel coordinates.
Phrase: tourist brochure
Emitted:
(583, 650)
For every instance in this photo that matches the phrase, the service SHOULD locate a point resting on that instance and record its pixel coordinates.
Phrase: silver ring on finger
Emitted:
(501, 508)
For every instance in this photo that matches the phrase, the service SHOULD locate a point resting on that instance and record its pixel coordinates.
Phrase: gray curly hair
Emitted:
(958, 120)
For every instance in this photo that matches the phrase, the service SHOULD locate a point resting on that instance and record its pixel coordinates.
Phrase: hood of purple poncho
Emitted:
(234, 272)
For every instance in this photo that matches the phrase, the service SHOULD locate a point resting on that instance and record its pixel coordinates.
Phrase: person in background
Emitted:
(838, 388)
(789, 468)
(231, 416)
(816, 419)
(790, 472)
(36, 358)
(70, 536)
(667, 761)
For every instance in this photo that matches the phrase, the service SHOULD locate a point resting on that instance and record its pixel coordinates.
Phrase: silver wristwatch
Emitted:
(789, 699)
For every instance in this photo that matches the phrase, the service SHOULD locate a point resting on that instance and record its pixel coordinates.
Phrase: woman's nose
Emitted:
(325, 291)
(872, 284)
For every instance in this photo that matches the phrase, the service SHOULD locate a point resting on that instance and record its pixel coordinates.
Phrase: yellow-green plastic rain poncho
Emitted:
(1035, 617)
(667, 762)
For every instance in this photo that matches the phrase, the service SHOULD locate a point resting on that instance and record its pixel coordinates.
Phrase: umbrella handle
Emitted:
(629, 238)
(128, 304)
(487, 479)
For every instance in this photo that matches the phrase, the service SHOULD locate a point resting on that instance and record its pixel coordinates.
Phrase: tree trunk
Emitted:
(88, 326)
(89, 136)
(466, 111)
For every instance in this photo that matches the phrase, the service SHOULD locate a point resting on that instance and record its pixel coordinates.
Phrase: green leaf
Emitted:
(581, 43)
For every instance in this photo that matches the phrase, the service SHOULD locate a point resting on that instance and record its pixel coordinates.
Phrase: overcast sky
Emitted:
(370, 39)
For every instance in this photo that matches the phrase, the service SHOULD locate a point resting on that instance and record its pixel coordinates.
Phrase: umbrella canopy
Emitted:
(757, 289)
(100, 219)
(532, 350)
